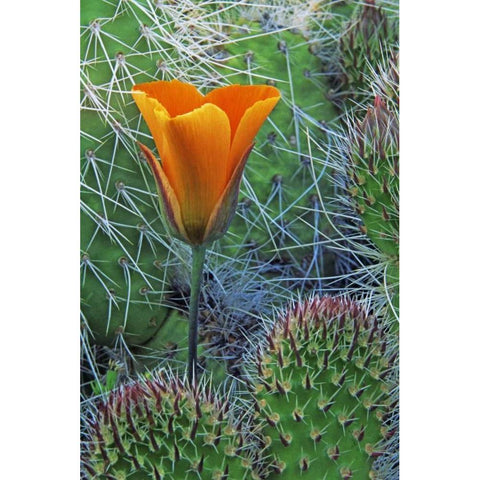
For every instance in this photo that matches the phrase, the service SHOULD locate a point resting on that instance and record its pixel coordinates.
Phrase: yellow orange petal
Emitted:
(248, 127)
(195, 160)
(147, 106)
(175, 97)
(168, 200)
(224, 210)
(234, 100)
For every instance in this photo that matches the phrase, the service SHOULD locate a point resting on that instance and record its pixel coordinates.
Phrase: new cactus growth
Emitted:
(162, 429)
(321, 388)
(362, 44)
(372, 170)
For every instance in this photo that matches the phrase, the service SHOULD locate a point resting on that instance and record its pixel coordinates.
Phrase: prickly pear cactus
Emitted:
(368, 180)
(367, 159)
(373, 170)
(163, 429)
(123, 279)
(362, 44)
(321, 388)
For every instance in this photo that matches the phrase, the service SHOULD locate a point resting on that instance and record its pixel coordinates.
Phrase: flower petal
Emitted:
(234, 100)
(175, 97)
(195, 160)
(224, 210)
(168, 200)
(249, 125)
(147, 106)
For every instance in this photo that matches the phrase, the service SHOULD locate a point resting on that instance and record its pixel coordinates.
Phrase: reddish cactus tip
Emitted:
(304, 464)
(286, 439)
(345, 473)
(334, 453)
(372, 452)
(378, 102)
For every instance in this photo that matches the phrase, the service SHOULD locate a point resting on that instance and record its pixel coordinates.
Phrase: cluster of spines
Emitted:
(164, 430)
(322, 391)
(385, 79)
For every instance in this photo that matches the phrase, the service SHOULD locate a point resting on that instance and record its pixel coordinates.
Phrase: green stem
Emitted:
(198, 261)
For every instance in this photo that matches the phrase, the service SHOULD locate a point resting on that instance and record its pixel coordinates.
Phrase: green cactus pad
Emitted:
(373, 170)
(374, 173)
(163, 429)
(283, 170)
(321, 390)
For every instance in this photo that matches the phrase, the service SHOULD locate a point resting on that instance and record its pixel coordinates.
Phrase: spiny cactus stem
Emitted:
(198, 260)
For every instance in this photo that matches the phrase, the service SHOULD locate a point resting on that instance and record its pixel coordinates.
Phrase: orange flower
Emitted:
(203, 143)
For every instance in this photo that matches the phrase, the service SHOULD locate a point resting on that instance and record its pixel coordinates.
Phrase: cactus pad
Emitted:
(321, 390)
(163, 429)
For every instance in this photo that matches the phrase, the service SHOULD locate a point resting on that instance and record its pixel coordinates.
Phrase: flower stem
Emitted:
(198, 261)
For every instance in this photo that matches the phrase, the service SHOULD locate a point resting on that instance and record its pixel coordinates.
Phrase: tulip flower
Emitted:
(203, 143)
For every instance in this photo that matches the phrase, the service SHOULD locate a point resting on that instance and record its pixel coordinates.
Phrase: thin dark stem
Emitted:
(198, 260)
